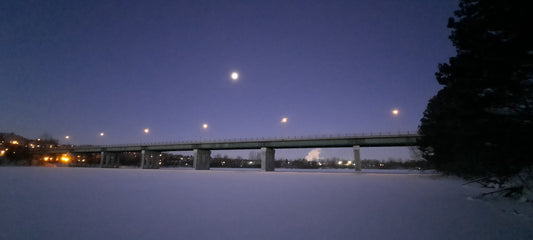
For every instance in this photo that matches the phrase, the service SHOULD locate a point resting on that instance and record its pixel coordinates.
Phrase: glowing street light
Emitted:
(395, 112)
(65, 158)
(146, 130)
(67, 137)
(102, 134)
(234, 76)
(205, 126)
(284, 120)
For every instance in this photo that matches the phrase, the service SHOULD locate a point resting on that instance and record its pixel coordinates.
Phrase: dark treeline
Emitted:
(480, 122)
(218, 161)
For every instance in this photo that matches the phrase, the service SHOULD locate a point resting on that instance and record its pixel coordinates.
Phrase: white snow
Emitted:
(77, 203)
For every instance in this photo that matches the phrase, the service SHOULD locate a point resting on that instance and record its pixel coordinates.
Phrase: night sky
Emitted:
(79, 68)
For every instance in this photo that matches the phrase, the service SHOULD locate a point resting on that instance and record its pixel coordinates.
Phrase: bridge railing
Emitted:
(233, 140)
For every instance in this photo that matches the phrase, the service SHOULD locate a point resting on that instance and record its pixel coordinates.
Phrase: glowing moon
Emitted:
(146, 130)
(395, 112)
(205, 126)
(284, 120)
(101, 134)
(234, 75)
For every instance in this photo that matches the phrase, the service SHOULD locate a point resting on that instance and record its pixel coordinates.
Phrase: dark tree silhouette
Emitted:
(481, 121)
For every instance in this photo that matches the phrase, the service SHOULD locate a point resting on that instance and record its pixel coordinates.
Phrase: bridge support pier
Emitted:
(110, 160)
(357, 158)
(202, 158)
(102, 157)
(267, 159)
(150, 159)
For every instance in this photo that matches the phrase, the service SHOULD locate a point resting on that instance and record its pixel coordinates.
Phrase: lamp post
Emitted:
(396, 114)
(67, 140)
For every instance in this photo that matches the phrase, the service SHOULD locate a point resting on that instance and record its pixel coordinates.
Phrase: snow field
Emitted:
(76, 203)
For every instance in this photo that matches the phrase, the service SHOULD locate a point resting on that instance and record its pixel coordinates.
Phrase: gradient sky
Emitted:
(79, 68)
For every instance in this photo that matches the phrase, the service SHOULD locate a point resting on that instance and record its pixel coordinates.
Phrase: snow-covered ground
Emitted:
(77, 203)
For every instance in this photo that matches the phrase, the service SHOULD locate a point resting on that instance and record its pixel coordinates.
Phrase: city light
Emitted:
(65, 158)
(2, 153)
(14, 142)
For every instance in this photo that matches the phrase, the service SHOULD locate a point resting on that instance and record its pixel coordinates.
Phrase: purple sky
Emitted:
(79, 68)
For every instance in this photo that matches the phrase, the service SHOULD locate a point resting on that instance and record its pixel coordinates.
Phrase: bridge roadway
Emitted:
(202, 150)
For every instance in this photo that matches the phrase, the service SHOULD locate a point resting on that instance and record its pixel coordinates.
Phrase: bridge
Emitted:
(202, 150)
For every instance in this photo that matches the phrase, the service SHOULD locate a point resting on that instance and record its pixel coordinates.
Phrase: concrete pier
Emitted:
(267, 159)
(357, 158)
(102, 157)
(110, 160)
(150, 159)
(202, 158)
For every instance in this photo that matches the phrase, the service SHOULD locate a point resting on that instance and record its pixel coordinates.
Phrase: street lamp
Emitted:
(395, 114)
(234, 76)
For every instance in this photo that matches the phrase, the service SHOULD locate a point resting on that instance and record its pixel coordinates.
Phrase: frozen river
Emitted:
(77, 203)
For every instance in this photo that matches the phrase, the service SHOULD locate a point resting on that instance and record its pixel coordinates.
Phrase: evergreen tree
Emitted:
(481, 121)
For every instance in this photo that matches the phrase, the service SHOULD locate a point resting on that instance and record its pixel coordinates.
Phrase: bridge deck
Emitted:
(319, 142)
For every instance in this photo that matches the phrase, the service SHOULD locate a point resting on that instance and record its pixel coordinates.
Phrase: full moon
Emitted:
(205, 126)
(284, 120)
(395, 112)
(234, 76)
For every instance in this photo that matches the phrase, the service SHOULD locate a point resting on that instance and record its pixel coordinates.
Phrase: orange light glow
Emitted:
(395, 112)
(65, 158)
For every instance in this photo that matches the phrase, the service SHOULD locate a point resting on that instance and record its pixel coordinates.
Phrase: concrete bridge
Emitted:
(202, 150)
